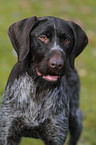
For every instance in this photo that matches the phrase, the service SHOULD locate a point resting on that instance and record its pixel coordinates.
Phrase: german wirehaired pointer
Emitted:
(41, 98)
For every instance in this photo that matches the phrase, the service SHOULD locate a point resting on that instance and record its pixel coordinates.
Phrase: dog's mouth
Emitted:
(48, 77)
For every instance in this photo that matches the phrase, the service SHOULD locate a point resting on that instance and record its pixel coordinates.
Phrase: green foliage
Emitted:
(83, 13)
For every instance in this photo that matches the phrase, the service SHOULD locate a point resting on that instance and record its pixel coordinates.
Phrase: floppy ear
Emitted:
(80, 42)
(19, 36)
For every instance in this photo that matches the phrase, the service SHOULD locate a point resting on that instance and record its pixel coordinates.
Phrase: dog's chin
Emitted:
(50, 78)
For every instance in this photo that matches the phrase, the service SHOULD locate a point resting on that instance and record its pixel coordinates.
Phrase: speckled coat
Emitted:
(41, 98)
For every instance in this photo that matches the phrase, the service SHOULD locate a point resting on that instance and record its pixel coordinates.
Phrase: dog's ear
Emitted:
(80, 42)
(19, 36)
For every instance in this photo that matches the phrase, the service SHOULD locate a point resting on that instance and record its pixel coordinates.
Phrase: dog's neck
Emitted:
(36, 88)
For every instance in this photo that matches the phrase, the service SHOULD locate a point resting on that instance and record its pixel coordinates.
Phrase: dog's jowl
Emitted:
(41, 98)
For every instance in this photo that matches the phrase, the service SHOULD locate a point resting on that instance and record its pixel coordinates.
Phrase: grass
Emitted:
(84, 13)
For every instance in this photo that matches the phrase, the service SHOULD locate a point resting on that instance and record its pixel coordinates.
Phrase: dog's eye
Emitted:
(44, 38)
(66, 41)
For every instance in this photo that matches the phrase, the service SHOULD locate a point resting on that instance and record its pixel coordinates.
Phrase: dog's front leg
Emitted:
(75, 127)
(53, 132)
(8, 132)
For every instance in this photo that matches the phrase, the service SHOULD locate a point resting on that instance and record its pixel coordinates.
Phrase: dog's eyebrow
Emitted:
(46, 30)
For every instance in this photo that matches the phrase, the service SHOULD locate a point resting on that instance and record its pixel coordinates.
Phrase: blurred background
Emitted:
(82, 12)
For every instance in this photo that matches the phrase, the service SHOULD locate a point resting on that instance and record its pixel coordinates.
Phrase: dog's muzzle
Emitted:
(55, 65)
(48, 77)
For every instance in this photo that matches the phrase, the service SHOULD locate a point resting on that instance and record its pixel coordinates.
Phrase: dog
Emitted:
(41, 98)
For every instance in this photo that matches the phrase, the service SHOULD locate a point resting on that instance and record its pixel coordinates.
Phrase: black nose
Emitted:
(56, 62)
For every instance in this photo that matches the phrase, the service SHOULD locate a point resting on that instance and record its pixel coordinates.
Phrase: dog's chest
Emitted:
(22, 97)
(52, 111)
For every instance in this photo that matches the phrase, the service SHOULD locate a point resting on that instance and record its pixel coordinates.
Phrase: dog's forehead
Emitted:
(52, 19)
(55, 23)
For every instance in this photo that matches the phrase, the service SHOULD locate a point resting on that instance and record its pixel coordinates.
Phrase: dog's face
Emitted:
(52, 44)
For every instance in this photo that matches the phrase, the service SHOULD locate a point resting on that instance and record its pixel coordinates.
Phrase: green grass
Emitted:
(83, 12)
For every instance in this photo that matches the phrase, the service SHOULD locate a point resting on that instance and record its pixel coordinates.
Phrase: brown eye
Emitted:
(44, 38)
(66, 41)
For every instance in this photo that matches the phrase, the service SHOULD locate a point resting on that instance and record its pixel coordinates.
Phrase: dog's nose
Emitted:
(56, 63)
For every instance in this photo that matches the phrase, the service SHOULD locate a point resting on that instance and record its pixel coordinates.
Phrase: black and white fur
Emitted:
(41, 98)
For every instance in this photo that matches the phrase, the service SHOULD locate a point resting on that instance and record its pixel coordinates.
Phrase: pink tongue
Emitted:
(48, 77)
(39, 74)
(51, 78)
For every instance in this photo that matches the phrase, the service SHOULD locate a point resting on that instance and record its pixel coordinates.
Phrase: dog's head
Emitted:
(52, 44)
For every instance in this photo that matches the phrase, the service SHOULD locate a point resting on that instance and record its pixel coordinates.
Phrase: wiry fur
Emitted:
(31, 105)
(34, 114)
